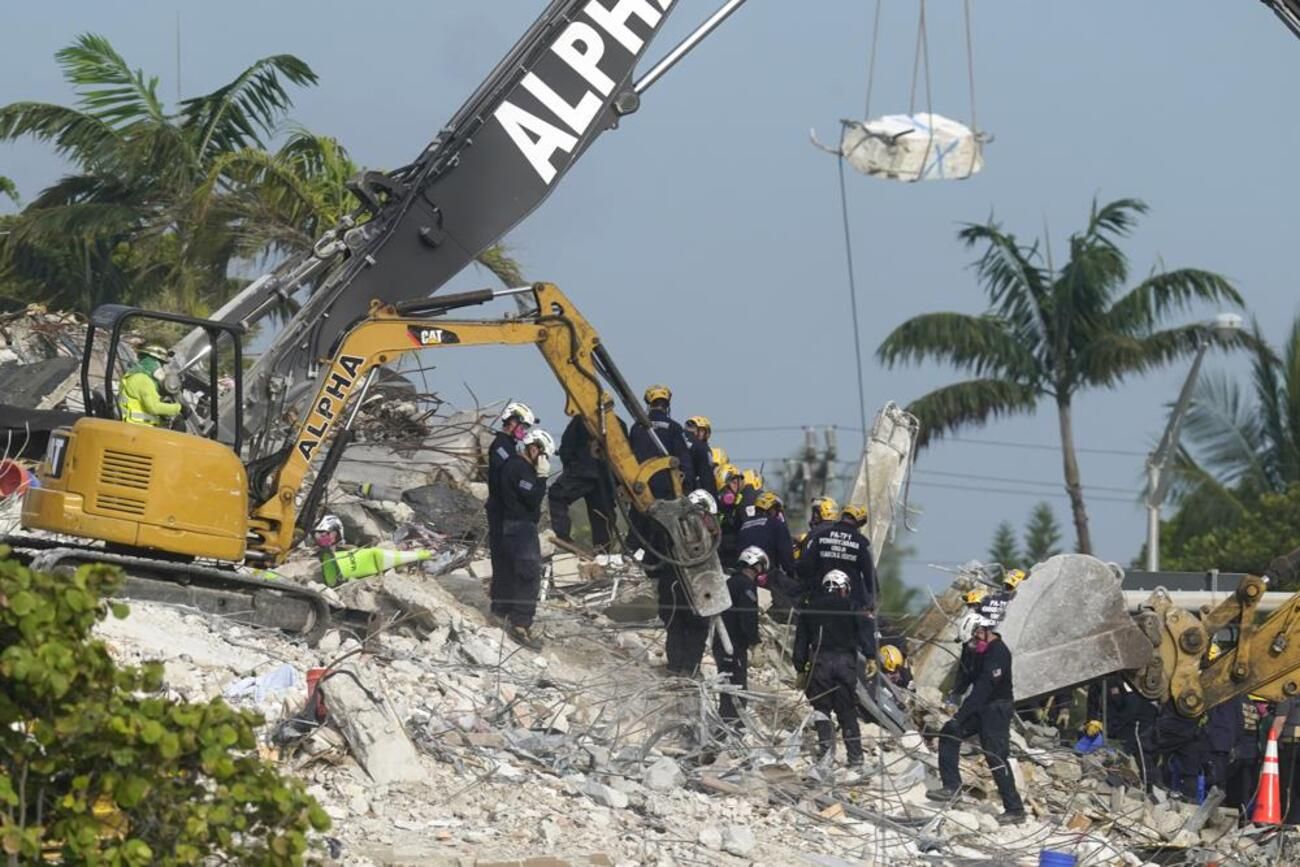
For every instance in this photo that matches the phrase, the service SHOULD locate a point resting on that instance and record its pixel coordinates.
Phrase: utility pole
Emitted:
(809, 473)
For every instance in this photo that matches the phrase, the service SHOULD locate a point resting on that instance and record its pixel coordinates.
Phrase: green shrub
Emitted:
(98, 767)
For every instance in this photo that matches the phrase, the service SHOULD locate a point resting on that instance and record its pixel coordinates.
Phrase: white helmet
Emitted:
(517, 410)
(704, 500)
(329, 524)
(754, 557)
(970, 622)
(538, 437)
(835, 581)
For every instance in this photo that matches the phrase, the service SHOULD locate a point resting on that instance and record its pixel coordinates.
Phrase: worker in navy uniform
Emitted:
(766, 529)
(585, 477)
(1182, 748)
(522, 487)
(895, 667)
(1247, 752)
(658, 399)
(829, 646)
(698, 430)
(729, 516)
(514, 422)
(842, 546)
(741, 621)
(986, 711)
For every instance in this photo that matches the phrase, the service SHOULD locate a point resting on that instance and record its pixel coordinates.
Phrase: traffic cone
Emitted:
(1268, 802)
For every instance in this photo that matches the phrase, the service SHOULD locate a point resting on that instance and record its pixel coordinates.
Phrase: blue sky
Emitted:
(703, 236)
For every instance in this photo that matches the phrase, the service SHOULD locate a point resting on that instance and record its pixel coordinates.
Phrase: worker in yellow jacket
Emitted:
(138, 398)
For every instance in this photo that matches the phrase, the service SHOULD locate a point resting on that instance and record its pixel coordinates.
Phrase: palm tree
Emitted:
(1050, 333)
(129, 215)
(1240, 442)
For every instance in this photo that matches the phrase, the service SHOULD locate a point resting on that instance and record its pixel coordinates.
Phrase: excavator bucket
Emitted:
(695, 549)
(1068, 623)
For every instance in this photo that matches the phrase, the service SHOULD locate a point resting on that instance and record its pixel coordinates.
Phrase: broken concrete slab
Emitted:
(663, 776)
(374, 735)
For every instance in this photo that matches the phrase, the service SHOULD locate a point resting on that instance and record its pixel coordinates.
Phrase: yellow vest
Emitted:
(139, 401)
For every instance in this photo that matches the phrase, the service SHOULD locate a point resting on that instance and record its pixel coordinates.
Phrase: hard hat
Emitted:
(856, 514)
(755, 558)
(328, 524)
(891, 658)
(537, 437)
(704, 500)
(767, 500)
(1012, 578)
(658, 392)
(719, 456)
(966, 626)
(1214, 652)
(518, 411)
(753, 480)
(825, 509)
(700, 421)
(975, 595)
(835, 581)
(731, 471)
(154, 350)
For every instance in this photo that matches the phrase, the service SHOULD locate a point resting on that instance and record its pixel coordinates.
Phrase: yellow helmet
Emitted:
(975, 595)
(825, 509)
(727, 472)
(891, 658)
(719, 456)
(1214, 652)
(1012, 577)
(752, 480)
(857, 514)
(658, 392)
(700, 421)
(767, 500)
(798, 545)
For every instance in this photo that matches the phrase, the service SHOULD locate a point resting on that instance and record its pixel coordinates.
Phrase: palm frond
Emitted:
(1115, 219)
(972, 403)
(1143, 306)
(9, 190)
(106, 86)
(237, 114)
(1017, 284)
(503, 266)
(74, 134)
(1225, 433)
(982, 345)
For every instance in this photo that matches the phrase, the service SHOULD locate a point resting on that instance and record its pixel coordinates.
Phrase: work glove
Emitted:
(801, 679)
(543, 466)
(186, 412)
(1092, 728)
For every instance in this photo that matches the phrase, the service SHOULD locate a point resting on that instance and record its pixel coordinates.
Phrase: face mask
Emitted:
(981, 645)
(159, 374)
(519, 432)
(728, 498)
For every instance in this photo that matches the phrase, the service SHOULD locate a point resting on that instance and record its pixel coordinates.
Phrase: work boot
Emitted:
(855, 757)
(825, 738)
(524, 636)
(1013, 818)
(942, 794)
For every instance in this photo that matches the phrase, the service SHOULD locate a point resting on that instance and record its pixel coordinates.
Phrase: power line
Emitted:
(1018, 493)
(951, 439)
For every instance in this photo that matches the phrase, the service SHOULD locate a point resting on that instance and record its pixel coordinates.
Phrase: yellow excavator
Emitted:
(179, 510)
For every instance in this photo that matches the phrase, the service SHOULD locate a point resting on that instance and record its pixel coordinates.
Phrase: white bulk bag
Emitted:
(912, 147)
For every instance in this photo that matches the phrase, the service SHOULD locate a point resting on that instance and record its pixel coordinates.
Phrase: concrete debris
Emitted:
(665, 775)
(374, 735)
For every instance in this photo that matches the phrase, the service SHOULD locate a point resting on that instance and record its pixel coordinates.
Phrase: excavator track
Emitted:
(240, 598)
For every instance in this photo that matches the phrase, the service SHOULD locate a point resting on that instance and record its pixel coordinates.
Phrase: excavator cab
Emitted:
(136, 486)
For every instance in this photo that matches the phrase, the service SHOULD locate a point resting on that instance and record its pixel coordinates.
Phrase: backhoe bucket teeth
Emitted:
(876, 696)
(1068, 624)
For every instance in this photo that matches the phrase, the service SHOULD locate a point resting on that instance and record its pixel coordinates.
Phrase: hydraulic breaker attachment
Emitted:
(695, 550)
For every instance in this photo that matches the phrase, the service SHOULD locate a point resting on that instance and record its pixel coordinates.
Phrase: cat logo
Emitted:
(431, 336)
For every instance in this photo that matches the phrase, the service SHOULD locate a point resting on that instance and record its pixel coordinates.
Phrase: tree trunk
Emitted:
(1073, 486)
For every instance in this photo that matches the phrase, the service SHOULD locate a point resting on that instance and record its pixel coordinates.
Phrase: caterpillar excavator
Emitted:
(179, 510)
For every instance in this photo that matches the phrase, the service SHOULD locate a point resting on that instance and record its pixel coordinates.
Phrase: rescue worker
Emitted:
(585, 477)
(895, 666)
(842, 546)
(766, 530)
(751, 486)
(658, 400)
(1181, 746)
(729, 514)
(1223, 726)
(718, 458)
(513, 423)
(987, 712)
(522, 487)
(741, 620)
(138, 398)
(830, 639)
(1247, 751)
(698, 430)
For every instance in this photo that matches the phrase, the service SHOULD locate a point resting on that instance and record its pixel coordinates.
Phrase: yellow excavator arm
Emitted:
(566, 340)
(1264, 661)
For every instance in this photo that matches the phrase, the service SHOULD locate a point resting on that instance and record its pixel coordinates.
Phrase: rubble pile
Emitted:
(445, 743)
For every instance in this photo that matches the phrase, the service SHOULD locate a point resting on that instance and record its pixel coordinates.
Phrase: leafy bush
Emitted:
(1269, 529)
(99, 768)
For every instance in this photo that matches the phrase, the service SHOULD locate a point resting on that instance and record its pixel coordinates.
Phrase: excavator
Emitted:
(178, 510)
